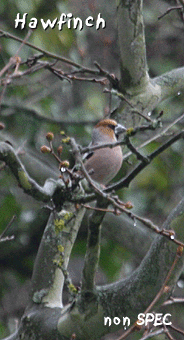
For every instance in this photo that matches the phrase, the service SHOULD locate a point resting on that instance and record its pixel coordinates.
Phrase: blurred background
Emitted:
(41, 102)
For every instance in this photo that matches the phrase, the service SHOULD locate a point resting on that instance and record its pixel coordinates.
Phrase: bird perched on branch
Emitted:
(103, 164)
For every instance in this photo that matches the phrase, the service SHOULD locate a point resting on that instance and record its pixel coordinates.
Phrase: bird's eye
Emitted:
(111, 126)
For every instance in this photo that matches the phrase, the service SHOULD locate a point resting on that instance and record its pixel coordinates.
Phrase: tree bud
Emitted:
(50, 136)
(45, 149)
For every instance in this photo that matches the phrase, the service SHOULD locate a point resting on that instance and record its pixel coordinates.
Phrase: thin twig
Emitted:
(36, 115)
(46, 53)
(15, 60)
(68, 76)
(152, 334)
(178, 255)
(170, 10)
(31, 187)
(96, 208)
(78, 158)
(122, 97)
(112, 79)
(176, 329)
(157, 297)
(168, 334)
(116, 202)
(7, 238)
(129, 133)
(127, 179)
(159, 135)
(173, 300)
(170, 234)
(20, 74)
(135, 151)
(8, 226)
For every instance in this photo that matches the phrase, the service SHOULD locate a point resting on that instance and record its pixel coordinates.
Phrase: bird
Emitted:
(103, 164)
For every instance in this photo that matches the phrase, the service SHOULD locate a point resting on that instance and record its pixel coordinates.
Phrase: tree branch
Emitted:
(170, 9)
(132, 45)
(118, 299)
(53, 256)
(45, 305)
(179, 252)
(163, 132)
(30, 187)
(171, 84)
(28, 111)
(126, 180)
(154, 268)
(48, 54)
(93, 247)
(142, 92)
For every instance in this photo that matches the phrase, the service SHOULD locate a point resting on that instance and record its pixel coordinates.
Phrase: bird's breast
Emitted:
(104, 164)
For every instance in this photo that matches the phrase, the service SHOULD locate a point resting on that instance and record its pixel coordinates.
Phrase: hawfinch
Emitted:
(103, 164)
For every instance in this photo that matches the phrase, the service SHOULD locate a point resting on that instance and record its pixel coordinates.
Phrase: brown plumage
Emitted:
(103, 164)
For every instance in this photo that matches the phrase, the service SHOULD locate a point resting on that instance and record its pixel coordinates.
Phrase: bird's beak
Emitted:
(119, 129)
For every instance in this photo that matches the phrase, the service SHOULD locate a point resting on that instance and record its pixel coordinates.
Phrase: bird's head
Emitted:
(107, 130)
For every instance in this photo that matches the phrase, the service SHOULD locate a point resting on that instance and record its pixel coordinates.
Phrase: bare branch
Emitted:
(126, 180)
(115, 201)
(37, 116)
(176, 329)
(48, 54)
(53, 257)
(7, 238)
(170, 83)
(123, 98)
(173, 300)
(155, 137)
(152, 334)
(129, 133)
(158, 295)
(16, 59)
(132, 45)
(174, 8)
(93, 247)
(44, 194)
